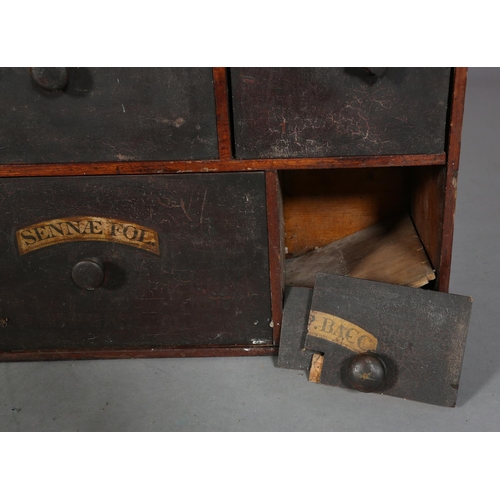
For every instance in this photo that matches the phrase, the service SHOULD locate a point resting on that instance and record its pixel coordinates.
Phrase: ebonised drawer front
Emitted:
(106, 114)
(320, 112)
(119, 262)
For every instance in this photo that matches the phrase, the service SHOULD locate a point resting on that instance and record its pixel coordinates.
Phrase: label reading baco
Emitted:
(55, 231)
(341, 332)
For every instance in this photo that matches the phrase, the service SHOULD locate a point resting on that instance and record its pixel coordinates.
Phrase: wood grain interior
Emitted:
(389, 252)
(326, 205)
(427, 205)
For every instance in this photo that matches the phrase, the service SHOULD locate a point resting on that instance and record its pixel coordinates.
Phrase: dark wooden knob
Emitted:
(88, 274)
(51, 79)
(366, 372)
(378, 72)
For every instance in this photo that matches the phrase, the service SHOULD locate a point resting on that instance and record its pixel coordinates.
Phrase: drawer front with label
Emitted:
(65, 115)
(321, 112)
(136, 261)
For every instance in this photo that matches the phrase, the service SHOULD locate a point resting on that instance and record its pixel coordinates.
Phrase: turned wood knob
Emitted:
(366, 372)
(51, 79)
(88, 274)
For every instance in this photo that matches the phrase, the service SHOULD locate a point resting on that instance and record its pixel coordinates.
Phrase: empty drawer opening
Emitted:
(353, 222)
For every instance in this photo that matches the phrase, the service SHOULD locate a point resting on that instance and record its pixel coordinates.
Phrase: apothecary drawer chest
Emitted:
(149, 211)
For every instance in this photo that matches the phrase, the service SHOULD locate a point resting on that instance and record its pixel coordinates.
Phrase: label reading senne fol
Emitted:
(341, 332)
(55, 231)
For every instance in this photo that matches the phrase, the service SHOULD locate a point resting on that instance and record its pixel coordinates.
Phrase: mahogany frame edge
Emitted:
(222, 112)
(228, 165)
(163, 352)
(454, 136)
(273, 197)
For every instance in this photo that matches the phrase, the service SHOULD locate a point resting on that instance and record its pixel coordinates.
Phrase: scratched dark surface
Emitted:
(209, 286)
(108, 114)
(318, 112)
(421, 335)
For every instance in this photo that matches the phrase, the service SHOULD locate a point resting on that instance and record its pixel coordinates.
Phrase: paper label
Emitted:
(341, 332)
(55, 231)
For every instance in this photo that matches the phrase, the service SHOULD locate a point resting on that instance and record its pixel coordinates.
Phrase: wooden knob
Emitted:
(366, 372)
(88, 274)
(51, 79)
(378, 72)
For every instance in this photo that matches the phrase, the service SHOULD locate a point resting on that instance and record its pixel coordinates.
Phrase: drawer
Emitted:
(107, 114)
(321, 112)
(135, 261)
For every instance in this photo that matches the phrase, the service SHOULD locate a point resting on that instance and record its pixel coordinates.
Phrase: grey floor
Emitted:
(251, 394)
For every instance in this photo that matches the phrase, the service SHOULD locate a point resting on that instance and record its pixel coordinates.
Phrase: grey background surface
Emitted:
(251, 394)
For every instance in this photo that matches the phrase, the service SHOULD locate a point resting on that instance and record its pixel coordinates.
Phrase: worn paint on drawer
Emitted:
(108, 114)
(208, 284)
(321, 112)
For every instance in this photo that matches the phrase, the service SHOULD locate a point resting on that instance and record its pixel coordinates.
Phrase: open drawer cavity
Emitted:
(378, 224)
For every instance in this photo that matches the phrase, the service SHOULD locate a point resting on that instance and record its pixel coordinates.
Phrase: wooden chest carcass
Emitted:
(149, 212)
